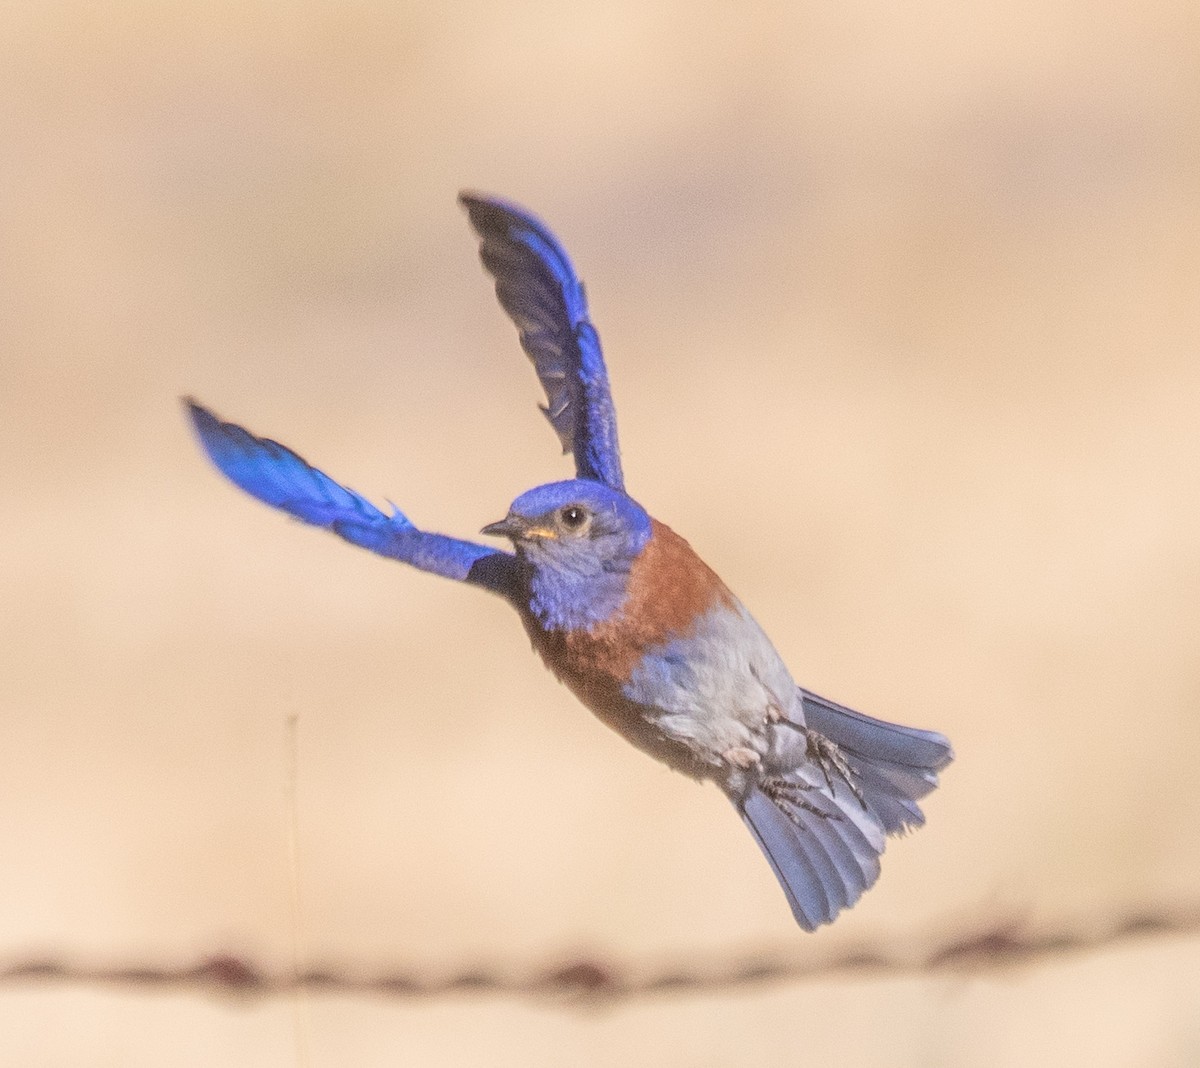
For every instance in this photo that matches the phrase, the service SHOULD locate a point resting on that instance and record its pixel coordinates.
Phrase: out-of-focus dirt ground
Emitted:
(901, 308)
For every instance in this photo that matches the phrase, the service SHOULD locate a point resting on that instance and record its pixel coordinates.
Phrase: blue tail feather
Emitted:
(895, 765)
(824, 839)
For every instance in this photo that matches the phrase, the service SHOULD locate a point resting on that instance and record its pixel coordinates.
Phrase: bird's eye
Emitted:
(573, 517)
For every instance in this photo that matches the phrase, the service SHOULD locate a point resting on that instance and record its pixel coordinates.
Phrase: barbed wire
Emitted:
(596, 979)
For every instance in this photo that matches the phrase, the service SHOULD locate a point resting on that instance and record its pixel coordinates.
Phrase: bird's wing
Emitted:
(539, 289)
(278, 477)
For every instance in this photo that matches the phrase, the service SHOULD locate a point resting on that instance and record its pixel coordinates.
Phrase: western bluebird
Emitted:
(628, 616)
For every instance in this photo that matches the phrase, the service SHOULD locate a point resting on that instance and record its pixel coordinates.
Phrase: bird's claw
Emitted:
(828, 757)
(789, 796)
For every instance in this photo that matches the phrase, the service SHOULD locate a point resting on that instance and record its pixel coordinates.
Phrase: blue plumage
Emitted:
(577, 582)
(538, 287)
(279, 477)
(628, 616)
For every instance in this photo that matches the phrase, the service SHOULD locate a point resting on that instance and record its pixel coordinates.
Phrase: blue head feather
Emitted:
(580, 539)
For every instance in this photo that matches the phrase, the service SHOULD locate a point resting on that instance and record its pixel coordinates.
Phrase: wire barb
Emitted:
(993, 948)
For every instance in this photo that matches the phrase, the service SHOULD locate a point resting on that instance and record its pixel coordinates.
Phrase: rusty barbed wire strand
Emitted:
(592, 978)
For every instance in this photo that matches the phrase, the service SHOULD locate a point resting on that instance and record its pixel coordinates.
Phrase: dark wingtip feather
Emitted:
(495, 215)
(200, 416)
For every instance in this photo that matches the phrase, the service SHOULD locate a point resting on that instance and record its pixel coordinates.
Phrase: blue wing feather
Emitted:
(538, 287)
(279, 477)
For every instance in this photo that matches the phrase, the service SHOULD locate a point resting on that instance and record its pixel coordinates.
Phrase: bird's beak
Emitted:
(508, 527)
(517, 528)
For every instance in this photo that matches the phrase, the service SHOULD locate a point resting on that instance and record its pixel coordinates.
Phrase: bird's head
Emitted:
(580, 538)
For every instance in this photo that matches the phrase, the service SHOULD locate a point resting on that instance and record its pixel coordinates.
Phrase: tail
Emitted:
(823, 835)
(895, 765)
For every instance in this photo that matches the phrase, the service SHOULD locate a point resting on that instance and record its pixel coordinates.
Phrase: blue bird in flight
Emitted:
(624, 613)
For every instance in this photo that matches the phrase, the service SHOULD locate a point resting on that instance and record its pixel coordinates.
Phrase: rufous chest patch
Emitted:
(670, 589)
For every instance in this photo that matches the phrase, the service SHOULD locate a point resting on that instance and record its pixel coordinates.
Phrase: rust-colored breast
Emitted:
(670, 588)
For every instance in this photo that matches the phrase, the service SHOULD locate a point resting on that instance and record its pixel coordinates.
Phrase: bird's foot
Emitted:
(828, 757)
(790, 796)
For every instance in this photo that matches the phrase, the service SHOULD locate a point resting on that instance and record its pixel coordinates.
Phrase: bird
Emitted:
(626, 614)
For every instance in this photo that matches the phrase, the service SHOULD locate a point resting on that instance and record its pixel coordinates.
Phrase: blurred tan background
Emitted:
(900, 305)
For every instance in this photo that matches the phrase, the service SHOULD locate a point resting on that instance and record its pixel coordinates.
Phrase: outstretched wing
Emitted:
(278, 477)
(539, 289)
